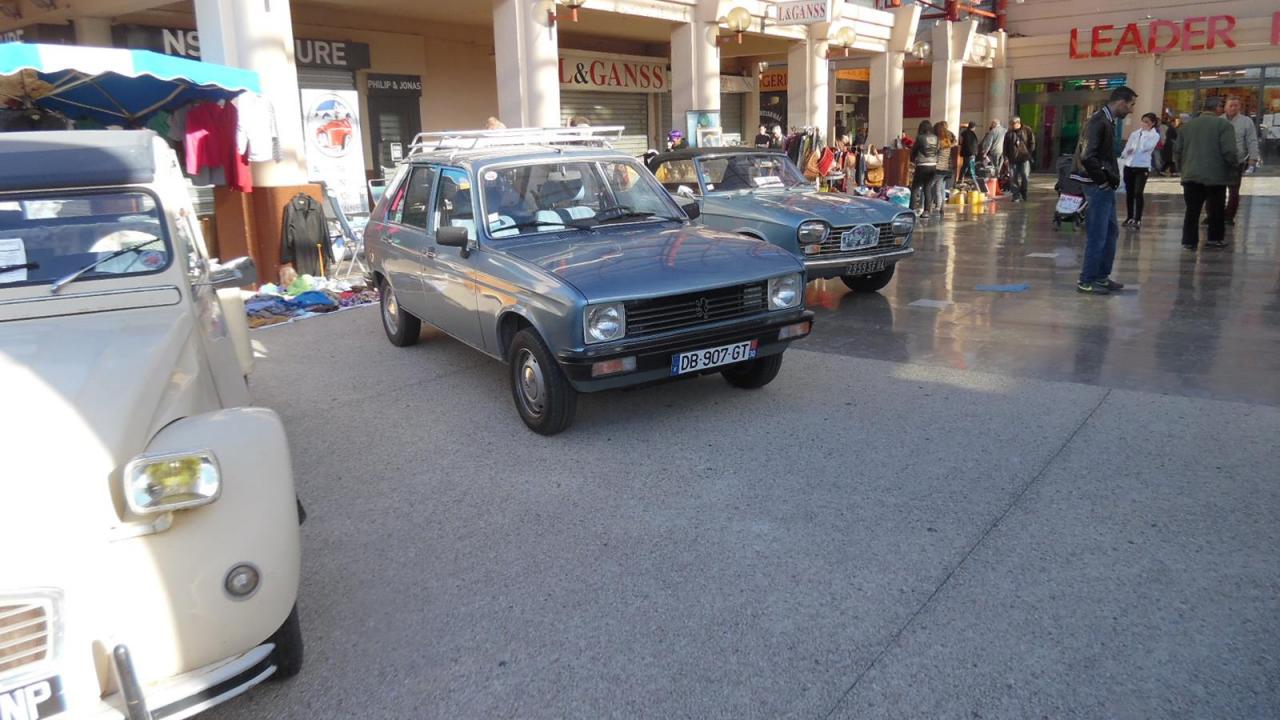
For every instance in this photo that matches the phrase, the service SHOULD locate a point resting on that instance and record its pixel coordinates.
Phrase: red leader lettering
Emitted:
(1190, 33)
(1228, 23)
(1175, 32)
(1131, 36)
(1096, 48)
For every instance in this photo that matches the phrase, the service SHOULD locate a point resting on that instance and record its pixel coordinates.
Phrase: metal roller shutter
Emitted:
(731, 114)
(664, 117)
(631, 110)
(323, 79)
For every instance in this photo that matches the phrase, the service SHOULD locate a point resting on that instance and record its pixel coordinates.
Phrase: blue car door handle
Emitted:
(431, 253)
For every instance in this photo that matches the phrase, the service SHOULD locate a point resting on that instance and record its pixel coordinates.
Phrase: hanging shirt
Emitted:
(210, 141)
(256, 135)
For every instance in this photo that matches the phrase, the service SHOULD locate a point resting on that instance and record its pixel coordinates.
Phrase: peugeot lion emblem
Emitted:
(702, 307)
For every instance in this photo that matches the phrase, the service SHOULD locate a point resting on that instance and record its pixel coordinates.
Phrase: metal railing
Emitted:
(558, 136)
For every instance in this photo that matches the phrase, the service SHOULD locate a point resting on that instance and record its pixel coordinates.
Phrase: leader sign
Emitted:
(1206, 32)
(803, 12)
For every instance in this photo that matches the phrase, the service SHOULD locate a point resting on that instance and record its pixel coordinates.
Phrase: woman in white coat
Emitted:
(1137, 166)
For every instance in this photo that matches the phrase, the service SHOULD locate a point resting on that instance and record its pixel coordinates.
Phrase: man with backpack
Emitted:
(1019, 148)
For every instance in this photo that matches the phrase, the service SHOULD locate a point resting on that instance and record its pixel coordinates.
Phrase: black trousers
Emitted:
(1135, 184)
(921, 186)
(1198, 196)
(1233, 192)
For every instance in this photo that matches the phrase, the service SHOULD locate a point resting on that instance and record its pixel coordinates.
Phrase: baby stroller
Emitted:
(1071, 201)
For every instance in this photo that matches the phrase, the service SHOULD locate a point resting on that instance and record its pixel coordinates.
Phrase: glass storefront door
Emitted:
(1057, 109)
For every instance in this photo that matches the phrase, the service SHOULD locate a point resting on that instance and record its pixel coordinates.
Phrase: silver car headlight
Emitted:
(160, 483)
(904, 224)
(606, 322)
(785, 291)
(812, 231)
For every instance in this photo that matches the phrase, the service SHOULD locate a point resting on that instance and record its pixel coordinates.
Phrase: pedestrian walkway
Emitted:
(1202, 325)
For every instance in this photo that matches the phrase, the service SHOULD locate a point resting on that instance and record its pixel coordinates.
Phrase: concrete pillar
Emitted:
(885, 104)
(807, 78)
(999, 96)
(92, 32)
(695, 71)
(951, 44)
(527, 54)
(1147, 79)
(258, 36)
(751, 110)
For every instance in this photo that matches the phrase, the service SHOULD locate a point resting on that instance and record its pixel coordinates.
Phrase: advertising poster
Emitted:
(335, 150)
(773, 110)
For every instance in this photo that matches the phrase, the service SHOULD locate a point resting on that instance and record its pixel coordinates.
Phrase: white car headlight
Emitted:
(160, 483)
(812, 231)
(904, 224)
(603, 323)
(785, 291)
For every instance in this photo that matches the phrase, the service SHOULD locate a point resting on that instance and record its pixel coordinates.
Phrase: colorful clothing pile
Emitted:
(305, 297)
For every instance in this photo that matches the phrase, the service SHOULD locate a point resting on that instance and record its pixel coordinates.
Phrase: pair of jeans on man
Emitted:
(1018, 183)
(1102, 231)
(1198, 196)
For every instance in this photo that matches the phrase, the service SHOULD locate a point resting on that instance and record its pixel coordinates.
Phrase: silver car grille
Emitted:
(28, 626)
(831, 246)
(646, 317)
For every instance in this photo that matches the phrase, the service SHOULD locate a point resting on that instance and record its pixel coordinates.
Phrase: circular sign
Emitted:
(331, 124)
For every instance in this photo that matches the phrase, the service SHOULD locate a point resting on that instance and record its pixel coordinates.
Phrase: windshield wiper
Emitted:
(531, 224)
(57, 285)
(22, 266)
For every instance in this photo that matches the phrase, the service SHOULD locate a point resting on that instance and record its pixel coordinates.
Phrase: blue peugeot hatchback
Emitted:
(566, 260)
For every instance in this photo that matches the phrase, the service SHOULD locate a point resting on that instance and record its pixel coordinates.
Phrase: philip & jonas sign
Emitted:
(1205, 32)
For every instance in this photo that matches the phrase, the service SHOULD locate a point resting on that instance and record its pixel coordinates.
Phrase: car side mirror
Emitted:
(233, 273)
(692, 210)
(451, 236)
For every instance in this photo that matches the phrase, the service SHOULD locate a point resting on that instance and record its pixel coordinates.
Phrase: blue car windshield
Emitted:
(559, 196)
(749, 171)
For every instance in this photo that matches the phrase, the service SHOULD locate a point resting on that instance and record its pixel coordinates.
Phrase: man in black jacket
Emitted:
(969, 155)
(1097, 168)
(1019, 148)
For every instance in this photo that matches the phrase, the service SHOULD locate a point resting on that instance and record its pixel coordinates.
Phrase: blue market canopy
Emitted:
(113, 86)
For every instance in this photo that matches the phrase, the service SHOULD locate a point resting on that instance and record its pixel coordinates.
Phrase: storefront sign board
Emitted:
(338, 54)
(48, 34)
(916, 97)
(335, 146)
(803, 12)
(399, 85)
(773, 79)
(1206, 32)
(612, 74)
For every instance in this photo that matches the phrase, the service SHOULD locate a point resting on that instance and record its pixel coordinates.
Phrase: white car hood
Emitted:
(84, 393)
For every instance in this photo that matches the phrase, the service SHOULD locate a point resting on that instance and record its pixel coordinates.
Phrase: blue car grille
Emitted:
(831, 246)
(646, 317)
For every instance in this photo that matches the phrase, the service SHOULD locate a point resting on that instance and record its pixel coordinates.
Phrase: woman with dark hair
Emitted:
(924, 154)
(1137, 166)
(946, 177)
(1170, 137)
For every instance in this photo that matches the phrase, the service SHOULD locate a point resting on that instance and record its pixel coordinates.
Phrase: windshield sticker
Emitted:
(767, 181)
(13, 253)
(493, 217)
(152, 260)
(491, 176)
(711, 186)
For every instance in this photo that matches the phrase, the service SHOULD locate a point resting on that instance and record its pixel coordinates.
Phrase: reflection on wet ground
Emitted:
(1203, 324)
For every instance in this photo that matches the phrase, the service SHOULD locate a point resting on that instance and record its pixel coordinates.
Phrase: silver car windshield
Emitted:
(559, 196)
(749, 171)
(45, 238)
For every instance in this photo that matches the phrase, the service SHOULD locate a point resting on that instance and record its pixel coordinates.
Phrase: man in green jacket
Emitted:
(1205, 152)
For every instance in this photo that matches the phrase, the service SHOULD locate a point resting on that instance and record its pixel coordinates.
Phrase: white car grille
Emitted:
(28, 629)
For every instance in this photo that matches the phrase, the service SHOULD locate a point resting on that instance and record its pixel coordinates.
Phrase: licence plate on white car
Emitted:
(866, 267)
(40, 699)
(696, 360)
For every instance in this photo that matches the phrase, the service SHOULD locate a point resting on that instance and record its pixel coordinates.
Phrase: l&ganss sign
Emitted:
(592, 72)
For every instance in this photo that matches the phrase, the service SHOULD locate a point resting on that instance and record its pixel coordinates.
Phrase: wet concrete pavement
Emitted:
(1205, 324)
(917, 519)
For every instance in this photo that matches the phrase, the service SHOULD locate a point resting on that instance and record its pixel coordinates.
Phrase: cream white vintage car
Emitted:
(149, 543)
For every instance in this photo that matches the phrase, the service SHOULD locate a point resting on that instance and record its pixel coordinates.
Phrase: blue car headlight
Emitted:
(785, 291)
(605, 322)
(812, 231)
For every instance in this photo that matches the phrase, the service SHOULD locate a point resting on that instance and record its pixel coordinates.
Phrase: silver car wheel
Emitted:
(390, 309)
(533, 385)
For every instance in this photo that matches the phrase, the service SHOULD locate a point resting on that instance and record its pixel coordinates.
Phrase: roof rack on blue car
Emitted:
(583, 136)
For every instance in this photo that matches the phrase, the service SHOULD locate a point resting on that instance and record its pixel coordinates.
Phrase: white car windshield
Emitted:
(45, 238)
(575, 195)
(749, 171)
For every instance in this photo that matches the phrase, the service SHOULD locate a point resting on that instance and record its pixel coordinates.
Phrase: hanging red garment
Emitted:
(210, 142)
(826, 161)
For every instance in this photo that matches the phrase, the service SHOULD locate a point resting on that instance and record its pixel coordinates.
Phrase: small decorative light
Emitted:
(843, 39)
(738, 21)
